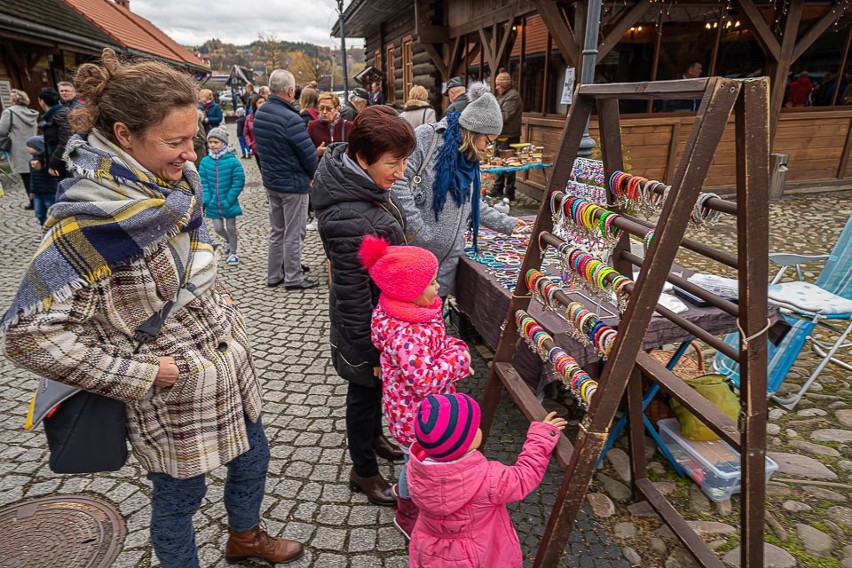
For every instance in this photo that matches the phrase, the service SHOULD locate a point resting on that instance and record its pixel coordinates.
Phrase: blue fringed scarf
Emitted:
(456, 174)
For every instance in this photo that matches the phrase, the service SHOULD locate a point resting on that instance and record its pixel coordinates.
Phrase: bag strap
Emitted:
(149, 329)
(416, 180)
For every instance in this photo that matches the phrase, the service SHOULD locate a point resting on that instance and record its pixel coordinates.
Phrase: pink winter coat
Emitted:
(418, 359)
(463, 520)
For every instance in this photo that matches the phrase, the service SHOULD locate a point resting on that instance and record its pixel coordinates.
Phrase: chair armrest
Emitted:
(788, 259)
(785, 260)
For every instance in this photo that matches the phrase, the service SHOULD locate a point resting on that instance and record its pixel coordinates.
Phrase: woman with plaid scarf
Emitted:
(125, 237)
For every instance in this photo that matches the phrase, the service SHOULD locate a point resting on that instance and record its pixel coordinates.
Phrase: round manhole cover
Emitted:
(68, 531)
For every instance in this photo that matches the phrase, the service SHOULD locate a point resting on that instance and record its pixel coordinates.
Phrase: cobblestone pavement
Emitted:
(307, 490)
(307, 494)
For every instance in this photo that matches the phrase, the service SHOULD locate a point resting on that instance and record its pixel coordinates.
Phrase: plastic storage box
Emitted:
(715, 466)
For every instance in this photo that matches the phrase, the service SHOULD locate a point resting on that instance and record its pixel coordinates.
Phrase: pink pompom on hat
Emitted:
(446, 425)
(400, 272)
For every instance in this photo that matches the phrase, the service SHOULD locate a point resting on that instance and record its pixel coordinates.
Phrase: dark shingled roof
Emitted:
(52, 20)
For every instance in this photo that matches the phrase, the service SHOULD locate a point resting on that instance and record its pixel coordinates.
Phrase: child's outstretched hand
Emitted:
(554, 420)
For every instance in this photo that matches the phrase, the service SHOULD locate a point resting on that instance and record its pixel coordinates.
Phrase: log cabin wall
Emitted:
(396, 35)
(818, 143)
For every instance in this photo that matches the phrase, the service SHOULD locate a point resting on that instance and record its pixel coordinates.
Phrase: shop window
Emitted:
(407, 68)
(391, 76)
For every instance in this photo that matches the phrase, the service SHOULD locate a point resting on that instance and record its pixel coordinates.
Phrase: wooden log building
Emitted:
(426, 42)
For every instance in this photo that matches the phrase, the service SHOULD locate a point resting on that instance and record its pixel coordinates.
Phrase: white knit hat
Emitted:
(482, 115)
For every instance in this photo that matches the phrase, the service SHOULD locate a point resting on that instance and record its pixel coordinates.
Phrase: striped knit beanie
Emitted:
(446, 425)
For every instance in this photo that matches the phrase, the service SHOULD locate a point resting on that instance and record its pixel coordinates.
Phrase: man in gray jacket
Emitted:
(288, 166)
(456, 92)
(512, 107)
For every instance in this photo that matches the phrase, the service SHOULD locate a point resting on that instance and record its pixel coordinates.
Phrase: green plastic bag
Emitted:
(715, 389)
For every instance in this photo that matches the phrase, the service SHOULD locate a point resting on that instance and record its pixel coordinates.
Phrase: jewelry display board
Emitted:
(679, 204)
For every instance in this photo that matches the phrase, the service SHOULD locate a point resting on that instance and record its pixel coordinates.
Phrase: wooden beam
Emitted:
(472, 26)
(655, 66)
(841, 70)
(15, 58)
(716, 44)
(580, 34)
(452, 61)
(487, 49)
(474, 53)
(436, 58)
(546, 86)
(781, 68)
(506, 43)
(815, 31)
(617, 32)
(764, 36)
(847, 148)
(559, 30)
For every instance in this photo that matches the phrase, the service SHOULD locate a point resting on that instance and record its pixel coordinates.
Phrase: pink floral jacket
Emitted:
(418, 359)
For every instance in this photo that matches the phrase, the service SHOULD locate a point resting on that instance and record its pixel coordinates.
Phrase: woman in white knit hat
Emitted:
(441, 192)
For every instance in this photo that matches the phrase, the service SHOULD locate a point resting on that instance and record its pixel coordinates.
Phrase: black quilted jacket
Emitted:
(349, 205)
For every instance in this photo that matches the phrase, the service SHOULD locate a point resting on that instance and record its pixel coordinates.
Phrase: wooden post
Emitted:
(658, 44)
(715, 54)
(841, 69)
(752, 143)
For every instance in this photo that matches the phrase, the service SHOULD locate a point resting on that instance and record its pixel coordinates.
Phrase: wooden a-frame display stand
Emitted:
(627, 363)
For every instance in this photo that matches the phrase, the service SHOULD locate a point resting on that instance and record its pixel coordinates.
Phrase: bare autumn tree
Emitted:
(307, 67)
(270, 48)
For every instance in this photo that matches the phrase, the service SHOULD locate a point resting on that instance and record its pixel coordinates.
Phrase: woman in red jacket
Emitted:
(330, 126)
(248, 129)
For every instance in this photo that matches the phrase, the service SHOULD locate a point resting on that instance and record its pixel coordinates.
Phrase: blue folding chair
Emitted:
(826, 303)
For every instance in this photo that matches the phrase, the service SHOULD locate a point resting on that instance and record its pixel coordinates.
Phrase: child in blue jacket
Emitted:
(222, 178)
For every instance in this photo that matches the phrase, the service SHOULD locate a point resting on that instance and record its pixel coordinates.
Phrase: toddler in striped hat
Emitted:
(463, 520)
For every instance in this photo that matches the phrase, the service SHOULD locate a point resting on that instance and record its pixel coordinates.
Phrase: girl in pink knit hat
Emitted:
(418, 357)
(461, 496)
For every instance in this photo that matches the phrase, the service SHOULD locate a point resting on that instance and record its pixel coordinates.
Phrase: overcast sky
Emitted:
(192, 22)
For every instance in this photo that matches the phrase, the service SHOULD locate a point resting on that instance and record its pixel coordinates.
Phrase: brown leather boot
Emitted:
(375, 487)
(386, 449)
(256, 543)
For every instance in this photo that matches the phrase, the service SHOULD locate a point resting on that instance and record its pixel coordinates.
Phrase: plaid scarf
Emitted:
(111, 212)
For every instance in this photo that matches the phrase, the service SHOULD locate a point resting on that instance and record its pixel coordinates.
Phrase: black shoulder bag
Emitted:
(87, 433)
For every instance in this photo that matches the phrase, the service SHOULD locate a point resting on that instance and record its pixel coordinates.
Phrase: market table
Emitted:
(509, 169)
(485, 302)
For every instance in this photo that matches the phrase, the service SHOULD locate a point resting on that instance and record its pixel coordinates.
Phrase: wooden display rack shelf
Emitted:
(748, 100)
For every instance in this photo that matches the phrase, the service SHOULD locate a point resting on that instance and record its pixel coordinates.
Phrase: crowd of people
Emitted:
(122, 185)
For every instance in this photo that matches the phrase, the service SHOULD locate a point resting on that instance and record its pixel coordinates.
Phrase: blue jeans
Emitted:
(175, 501)
(402, 484)
(41, 203)
(244, 147)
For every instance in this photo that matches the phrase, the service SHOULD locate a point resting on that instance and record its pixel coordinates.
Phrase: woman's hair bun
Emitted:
(92, 79)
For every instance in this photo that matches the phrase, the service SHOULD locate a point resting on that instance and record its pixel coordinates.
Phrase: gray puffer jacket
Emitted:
(444, 237)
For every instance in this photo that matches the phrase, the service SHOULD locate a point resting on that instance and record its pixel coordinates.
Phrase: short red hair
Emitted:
(379, 130)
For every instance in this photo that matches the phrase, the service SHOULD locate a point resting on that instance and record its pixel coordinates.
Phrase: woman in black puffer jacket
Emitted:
(352, 199)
